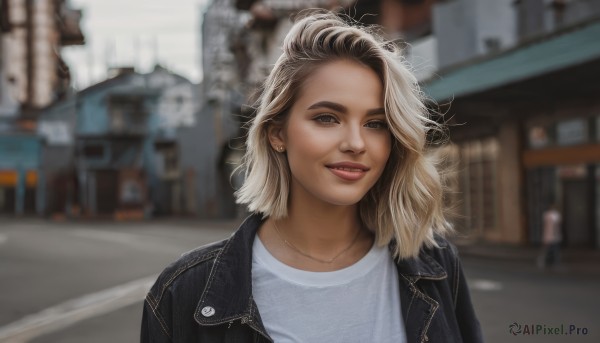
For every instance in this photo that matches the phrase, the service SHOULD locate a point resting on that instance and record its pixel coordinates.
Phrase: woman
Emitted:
(344, 243)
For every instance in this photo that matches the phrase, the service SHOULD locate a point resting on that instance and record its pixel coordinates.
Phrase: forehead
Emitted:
(345, 82)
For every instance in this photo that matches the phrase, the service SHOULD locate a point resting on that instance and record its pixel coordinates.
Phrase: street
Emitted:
(515, 292)
(85, 282)
(47, 265)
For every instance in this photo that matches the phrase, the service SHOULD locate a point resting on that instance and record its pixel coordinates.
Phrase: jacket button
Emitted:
(208, 311)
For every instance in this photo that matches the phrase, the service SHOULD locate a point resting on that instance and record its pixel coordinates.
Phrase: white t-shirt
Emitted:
(360, 303)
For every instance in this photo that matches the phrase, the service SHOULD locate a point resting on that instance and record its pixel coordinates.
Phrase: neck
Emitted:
(320, 228)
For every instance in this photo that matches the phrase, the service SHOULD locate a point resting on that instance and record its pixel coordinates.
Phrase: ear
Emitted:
(276, 136)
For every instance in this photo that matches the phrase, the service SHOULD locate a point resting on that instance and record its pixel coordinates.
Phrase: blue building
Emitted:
(113, 145)
(126, 147)
(21, 183)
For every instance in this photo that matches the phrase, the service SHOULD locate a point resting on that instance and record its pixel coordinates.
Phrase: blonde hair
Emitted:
(406, 203)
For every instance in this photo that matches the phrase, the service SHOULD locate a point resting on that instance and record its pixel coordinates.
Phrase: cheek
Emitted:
(383, 149)
(304, 140)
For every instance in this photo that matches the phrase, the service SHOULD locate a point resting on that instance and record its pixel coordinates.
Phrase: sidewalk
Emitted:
(572, 259)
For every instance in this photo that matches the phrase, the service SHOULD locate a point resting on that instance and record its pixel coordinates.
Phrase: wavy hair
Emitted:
(406, 203)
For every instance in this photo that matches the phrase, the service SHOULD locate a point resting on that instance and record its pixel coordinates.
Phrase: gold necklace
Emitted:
(329, 261)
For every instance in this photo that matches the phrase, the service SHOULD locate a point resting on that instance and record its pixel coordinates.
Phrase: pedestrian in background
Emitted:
(551, 237)
(345, 242)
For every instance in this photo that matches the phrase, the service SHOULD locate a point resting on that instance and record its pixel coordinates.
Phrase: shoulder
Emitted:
(190, 270)
(444, 253)
(174, 295)
(447, 255)
(436, 261)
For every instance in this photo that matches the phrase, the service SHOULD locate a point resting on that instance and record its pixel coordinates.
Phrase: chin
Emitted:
(344, 199)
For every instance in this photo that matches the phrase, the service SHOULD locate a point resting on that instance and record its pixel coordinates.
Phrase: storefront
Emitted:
(562, 162)
(21, 183)
(525, 127)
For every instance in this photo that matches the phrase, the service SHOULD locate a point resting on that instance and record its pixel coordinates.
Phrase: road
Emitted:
(85, 282)
(508, 292)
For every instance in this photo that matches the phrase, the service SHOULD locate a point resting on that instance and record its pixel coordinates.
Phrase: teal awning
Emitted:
(565, 50)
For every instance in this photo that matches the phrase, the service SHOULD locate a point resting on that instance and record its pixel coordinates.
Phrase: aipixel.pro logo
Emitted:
(517, 329)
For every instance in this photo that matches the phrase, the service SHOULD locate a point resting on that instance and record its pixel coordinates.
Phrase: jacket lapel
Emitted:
(418, 309)
(229, 288)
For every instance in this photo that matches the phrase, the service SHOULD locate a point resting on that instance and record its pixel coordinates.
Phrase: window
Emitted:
(478, 183)
(127, 114)
(94, 151)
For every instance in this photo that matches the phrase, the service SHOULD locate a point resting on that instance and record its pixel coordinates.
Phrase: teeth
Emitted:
(348, 169)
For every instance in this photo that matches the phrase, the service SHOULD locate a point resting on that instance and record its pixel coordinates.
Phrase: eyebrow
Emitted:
(341, 108)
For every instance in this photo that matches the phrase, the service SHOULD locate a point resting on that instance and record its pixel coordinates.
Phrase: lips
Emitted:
(348, 171)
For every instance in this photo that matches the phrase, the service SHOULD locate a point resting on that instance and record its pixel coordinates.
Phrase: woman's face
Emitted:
(336, 136)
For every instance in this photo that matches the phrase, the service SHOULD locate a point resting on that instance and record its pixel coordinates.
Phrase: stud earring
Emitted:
(280, 148)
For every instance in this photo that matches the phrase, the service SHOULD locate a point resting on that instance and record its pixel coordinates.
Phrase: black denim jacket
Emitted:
(206, 296)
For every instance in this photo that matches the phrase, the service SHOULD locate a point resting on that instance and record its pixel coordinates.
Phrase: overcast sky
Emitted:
(139, 33)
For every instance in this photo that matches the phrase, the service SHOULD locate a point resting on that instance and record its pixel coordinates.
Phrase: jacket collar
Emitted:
(421, 267)
(229, 286)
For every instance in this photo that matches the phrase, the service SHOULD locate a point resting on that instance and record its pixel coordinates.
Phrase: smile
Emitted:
(348, 174)
(347, 170)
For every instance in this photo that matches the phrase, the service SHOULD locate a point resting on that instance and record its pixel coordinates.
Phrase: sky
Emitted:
(137, 33)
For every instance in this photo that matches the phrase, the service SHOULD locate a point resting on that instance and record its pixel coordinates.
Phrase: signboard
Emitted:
(572, 132)
(19, 151)
(55, 132)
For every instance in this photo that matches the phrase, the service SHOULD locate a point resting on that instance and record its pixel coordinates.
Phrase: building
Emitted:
(32, 77)
(127, 155)
(56, 126)
(222, 100)
(518, 79)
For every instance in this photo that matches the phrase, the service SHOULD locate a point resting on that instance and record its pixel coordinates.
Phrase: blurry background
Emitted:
(121, 122)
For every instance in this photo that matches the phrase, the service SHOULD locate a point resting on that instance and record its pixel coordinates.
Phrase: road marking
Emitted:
(485, 285)
(76, 310)
(133, 240)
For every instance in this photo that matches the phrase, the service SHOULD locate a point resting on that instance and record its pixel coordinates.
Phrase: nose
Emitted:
(353, 140)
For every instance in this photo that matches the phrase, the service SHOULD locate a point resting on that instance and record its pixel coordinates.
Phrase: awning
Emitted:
(564, 50)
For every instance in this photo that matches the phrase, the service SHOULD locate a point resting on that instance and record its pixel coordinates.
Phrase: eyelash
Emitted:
(320, 118)
(380, 124)
(331, 120)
